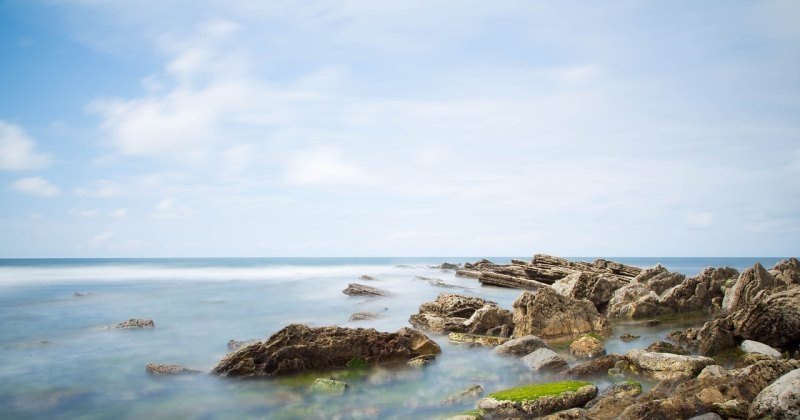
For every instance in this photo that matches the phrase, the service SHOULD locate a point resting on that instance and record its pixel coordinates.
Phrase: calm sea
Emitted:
(60, 362)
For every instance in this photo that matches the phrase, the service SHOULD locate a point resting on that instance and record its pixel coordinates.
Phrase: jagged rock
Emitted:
(772, 318)
(236, 345)
(469, 394)
(667, 365)
(736, 409)
(787, 271)
(587, 347)
(597, 288)
(624, 390)
(483, 340)
(355, 289)
(297, 348)
(156, 369)
(544, 360)
(423, 360)
(456, 313)
(513, 404)
(665, 347)
(135, 323)
(545, 313)
(490, 278)
(750, 346)
(364, 316)
(329, 386)
(521, 346)
(747, 286)
(779, 400)
(595, 368)
(628, 337)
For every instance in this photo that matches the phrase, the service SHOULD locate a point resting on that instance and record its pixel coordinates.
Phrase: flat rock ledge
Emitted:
(476, 339)
(157, 369)
(537, 400)
(355, 289)
(134, 323)
(299, 348)
(667, 365)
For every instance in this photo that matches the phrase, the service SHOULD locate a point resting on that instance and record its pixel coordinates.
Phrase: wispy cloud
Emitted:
(36, 186)
(18, 150)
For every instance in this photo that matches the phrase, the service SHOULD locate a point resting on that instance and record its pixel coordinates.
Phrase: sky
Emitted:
(399, 128)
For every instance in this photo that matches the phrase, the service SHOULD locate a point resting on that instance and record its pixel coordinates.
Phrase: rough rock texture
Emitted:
(135, 323)
(469, 394)
(541, 406)
(595, 368)
(521, 346)
(544, 360)
(456, 313)
(597, 288)
(298, 348)
(439, 283)
(545, 313)
(477, 339)
(667, 365)
(587, 347)
(787, 271)
(157, 369)
(355, 289)
(779, 400)
(665, 347)
(747, 286)
(773, 319)
(420, 361)
(715, 335)
(750, 346)
(613, 400)
(629, 337)
(236, 344)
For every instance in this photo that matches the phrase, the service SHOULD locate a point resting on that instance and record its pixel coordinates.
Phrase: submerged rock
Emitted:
(587, 347)
(780, 399)
(135, 323)
(355, 289)
(448, 266)
(329, 386)
(544, 360)
(469, 394)
(298, 348)
(628, 337)
(595, 368)
(667, 365)
(423, 360)
(156, 369)
(521, 346)
(367, 277)
(545, 313)
(364, 316)
(462, 314)
(537, 400)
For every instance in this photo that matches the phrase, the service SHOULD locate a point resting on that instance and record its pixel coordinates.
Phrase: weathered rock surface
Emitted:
(298, 348)
(747, 286)
(546, 314)
(773, 319)
(420, 361)
(665, 347)
(355, 289)
(521, 346)
(780, 399)
(667, 365)
(787, 271)
(595, 368)
(750, 346)
(156, 369)
(439, 283)
(469, 394)
(456, 313)
(449, 266)
(237, 344)
(544, 360)
(597, 288)
(628, 337)
(329, 386)
(134, 323)
(715, 335)
(587, 347)
(477, 339)
(363, 316)
(496, 407)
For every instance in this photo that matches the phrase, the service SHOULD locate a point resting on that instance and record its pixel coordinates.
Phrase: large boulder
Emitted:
(667, 365)
(780, 399)
(463, 314)
(596, 368)
(747, 286)
(537, 400)
(544, 360)
(298, 348)
(546, 314)
(597, 288)
(772, 318)
(750, 346)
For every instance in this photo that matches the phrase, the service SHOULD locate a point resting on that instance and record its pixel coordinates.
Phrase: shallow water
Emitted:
(59, 361)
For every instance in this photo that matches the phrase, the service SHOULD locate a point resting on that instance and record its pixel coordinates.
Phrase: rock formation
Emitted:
(463, 314)
(546, 314)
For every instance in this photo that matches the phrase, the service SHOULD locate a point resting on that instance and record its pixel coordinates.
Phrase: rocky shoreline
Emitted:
(755, 314)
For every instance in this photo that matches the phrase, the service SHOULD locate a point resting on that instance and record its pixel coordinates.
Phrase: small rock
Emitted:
(449, 266)
(423, 360)
(544, 360)
(587, 347)
(750, 346)
(329, 386)
(355, 289)
(665, 347)
(628, 337)
(707, 416)
(595, 368)
(468, 394)
(135, 323)
(156, 369)
(521, 346)
(363, 316)
(366, 277)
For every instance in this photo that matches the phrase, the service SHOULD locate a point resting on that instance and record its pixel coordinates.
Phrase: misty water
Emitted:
(58, 360)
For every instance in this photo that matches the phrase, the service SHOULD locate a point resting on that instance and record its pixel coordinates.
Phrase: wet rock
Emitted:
(665, 347)
(628, 337)
(595, 368)
(363, 316)
(521, 346)
(544, 360)
(329, 386)
(298, 348)
(545, 313)
(456, 313)
(355, 289)
(779, 400)
(537, 400)
(749, 346)
(624, 390)
(587, 347)
(423, 360)
(483, 340)
(469, 394)
(236, 345)
(667, 365)
(439, 283)
(773, 318)
(82, 294)
(134, 323)
(156, 369)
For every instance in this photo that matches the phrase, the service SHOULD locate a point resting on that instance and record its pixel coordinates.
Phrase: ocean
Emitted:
(59, 360)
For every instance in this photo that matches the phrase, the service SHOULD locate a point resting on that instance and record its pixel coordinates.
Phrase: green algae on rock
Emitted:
(538, 399)
(532, 392)
(329, 386)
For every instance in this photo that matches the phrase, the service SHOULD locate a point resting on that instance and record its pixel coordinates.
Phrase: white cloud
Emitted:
(168, 208)
(700, 219)
(119, 213)
(165, 204)
(100, 188)
(18, 150)
(37, 186)
(323, 166)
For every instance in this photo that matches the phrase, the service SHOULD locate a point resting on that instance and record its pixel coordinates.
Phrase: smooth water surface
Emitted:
(60, 362)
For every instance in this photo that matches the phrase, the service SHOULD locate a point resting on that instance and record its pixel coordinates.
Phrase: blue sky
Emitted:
(413, 128)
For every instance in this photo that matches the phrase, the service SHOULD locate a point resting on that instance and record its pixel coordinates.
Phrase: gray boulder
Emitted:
(779, 400)
(667, 365)
(521, 346)
(544, 360)
(355, 289)
(750, 346)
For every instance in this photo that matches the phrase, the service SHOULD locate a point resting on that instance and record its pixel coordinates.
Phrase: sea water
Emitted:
(57, 359)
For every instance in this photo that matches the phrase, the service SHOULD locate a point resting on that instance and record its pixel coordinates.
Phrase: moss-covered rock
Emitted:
(538, 400)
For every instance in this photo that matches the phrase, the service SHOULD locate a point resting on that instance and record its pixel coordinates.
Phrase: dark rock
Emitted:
(363, 316)
(135, 323)
(545, 313)
(747, 286)
(665, 347)
(355, 289)
(628, 337)
(449, 266)
(298, 348)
